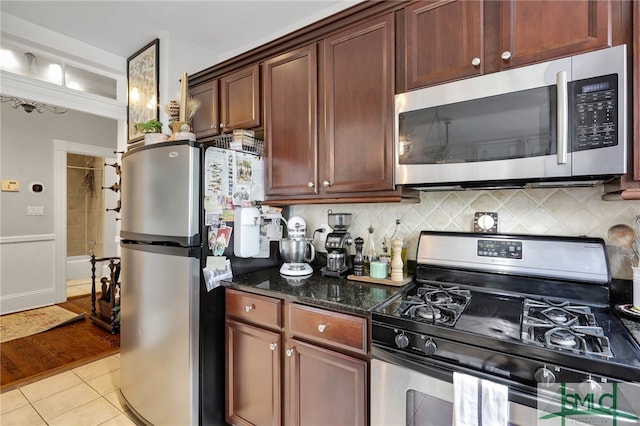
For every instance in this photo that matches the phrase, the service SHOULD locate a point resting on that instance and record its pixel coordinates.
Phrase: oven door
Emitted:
(410, 393)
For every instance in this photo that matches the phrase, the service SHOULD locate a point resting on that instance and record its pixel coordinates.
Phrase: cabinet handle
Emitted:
(273, 346)
(291, 351)
(311, 184)
(222, 125)
(326, 183)
(475, 62)
(506, 55)
(249, 308)
(214, 127)
(322, 327)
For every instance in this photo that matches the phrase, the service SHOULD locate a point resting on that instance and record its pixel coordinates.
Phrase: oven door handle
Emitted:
(518, 393)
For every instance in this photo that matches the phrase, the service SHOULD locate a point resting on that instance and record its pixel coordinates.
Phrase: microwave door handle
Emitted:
(562, 116)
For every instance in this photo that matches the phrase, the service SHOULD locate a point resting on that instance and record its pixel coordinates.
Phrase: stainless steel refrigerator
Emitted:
(172, 328)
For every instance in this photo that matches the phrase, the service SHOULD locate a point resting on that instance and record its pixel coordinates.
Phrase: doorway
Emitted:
(84, 223)
(85, 219)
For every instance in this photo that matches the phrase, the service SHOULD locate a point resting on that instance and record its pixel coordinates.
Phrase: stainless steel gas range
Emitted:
(513, 311)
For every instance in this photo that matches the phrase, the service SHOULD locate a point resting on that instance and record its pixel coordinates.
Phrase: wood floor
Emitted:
(34, 357)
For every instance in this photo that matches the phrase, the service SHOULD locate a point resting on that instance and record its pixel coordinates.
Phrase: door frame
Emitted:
(60, 150)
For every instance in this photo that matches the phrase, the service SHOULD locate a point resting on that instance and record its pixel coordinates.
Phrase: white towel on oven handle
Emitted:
(478, 402)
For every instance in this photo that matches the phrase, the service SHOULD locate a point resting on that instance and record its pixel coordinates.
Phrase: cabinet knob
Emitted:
(475, 62)
(273, 346)
(326, 183)
(506, 55)
(214, 127)
(291, 351)
(222, 125)
(322, 327)
(249, 308)
(311, 184)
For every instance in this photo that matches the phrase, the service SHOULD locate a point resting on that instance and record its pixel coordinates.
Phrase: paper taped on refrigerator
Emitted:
(231, 178)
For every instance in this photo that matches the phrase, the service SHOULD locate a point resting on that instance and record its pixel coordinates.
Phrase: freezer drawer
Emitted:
(159, 343)
(161, 193)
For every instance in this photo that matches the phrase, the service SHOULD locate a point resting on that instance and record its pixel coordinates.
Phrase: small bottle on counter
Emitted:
(358, 260)
(369, 253)
(385, 256)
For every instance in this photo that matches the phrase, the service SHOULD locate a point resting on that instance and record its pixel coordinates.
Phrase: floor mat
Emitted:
(34, 321)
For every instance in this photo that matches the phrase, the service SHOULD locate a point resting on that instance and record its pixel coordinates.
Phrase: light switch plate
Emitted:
(35, 210)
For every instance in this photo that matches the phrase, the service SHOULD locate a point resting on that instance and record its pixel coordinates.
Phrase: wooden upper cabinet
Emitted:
(290, 116)
(226, 103)
(240, 99)
(206, 120)
(358, 76)
(443, 41)
(635, 87)
(447, 40)
(535, 31)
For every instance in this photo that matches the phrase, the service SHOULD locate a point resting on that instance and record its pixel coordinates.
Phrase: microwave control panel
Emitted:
(595, 112)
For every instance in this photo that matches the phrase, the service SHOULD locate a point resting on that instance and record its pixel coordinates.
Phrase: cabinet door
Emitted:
(324, 387)
(252, 375)
(535, 31)
(240, 99)
(358, 108)
(443, 41)
(290, 122)
(206, 119)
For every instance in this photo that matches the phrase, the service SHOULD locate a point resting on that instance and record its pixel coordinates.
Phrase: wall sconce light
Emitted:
(30, 106)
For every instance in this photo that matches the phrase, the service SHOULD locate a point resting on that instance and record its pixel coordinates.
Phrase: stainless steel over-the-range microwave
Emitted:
(552, 123)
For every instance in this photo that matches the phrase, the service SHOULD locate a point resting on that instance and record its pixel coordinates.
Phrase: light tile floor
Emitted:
(84, 396)
(79, 287)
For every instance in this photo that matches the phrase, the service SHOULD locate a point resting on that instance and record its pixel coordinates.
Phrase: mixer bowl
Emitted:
(294, 250)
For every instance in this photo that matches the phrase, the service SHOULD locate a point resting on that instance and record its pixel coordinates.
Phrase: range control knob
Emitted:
(402, 341)
(430, 347)
(544, 376)
(590, 386)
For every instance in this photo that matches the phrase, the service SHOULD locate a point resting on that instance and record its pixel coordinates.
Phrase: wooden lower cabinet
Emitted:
(253, 375)
(285, 372)
(324, 387)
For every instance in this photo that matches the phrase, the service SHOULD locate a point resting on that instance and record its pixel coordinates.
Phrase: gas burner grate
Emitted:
(435, 305)
(564, 327)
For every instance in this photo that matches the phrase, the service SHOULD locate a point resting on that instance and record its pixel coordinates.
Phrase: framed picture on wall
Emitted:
(143, 88)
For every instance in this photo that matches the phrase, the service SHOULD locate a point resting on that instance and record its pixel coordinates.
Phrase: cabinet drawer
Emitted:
(253, 308)
(332, 328)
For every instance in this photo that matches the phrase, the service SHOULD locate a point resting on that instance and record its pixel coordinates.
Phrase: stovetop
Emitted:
(528, 322)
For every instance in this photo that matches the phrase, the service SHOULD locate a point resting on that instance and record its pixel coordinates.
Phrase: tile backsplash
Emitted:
(565, 211)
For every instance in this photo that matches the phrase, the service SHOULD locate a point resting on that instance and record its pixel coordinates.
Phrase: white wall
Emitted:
(28, 244)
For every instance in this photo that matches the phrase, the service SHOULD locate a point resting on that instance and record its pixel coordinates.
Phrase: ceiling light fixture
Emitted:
(30, 106)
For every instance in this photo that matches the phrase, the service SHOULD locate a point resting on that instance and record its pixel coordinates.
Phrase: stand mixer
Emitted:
(337, 242)
(293, 249)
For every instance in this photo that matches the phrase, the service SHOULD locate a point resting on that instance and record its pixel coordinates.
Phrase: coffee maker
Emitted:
(337, 245)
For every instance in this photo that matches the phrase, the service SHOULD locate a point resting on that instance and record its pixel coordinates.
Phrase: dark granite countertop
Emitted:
(634, 328)
(338, 294)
